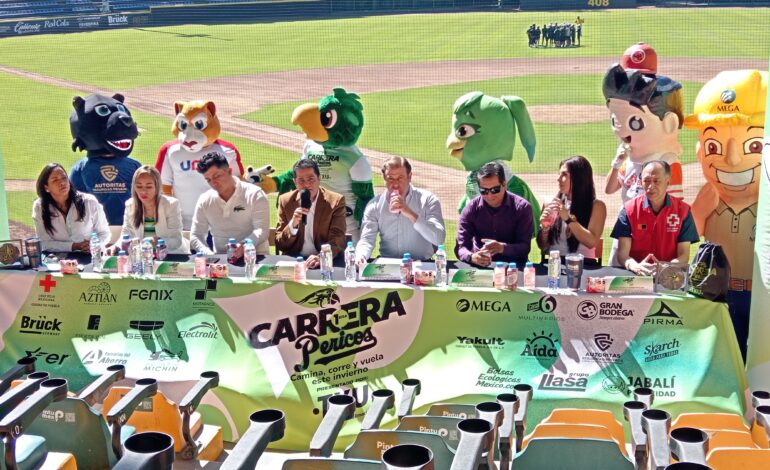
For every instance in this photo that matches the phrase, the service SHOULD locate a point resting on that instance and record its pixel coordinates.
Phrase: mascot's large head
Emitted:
(336, 121)
(196, 124)
(729, 114)
(646, 111)
(484, 129)
(102, 126)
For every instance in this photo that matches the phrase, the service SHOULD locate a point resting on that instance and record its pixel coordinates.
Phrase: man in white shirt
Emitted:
(408, 219)
(302, 230)
(230, 209)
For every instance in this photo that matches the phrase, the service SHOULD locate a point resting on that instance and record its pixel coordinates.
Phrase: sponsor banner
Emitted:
(73, 24)
(291, 346)
(4, 229)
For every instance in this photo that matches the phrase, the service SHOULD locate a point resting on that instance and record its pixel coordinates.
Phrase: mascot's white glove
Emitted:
(255, 176)
(621, 156)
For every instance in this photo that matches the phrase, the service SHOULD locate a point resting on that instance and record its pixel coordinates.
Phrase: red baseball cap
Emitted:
(640, 57)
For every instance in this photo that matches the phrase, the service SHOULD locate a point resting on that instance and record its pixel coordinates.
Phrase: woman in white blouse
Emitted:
(64, 217)
(152, 214)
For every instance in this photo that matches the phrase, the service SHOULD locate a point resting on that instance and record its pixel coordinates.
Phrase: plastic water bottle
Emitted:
(441, 272)
(135, 256)
(350, 263)
(327, 270)
(148, 256)
(529, 275)
(200, 265)
(512, 276)
(300, 273)
(96, 252)
(250, 259)
(408, 256)
(232, 245)
(123, 268)
(404, 271)
(125, 243)
(554, 269)
(499, 275)
(162, 249)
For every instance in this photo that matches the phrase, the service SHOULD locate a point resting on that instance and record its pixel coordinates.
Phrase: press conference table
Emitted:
(290, 345)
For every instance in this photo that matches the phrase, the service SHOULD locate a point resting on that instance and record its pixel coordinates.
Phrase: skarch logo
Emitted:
(665, 316)
(546, 304)
(661, 350)
(541, 345)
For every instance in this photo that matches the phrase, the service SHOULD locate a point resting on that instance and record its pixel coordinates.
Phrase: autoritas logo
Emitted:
(603, 342)
(333, 333)
(588, 310)
(465, 305)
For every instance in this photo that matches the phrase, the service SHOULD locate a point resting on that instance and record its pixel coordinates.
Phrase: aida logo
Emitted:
(540, 344)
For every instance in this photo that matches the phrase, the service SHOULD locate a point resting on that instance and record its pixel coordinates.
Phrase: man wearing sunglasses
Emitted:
(495, 226)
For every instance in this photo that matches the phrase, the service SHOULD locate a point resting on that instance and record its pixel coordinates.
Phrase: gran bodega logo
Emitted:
(336, 332)
(588, 310)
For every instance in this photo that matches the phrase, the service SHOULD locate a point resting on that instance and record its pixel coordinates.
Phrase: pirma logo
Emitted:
(546, 304)
(728, 96)
(463, 305)
(540, 345)
(664, 316)
(603, 341)
(587, 310)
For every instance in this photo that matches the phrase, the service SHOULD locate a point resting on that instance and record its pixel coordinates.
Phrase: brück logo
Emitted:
(40, 326)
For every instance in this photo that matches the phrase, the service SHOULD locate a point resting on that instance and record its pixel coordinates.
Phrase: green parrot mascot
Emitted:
(483, 131)
(332, 126)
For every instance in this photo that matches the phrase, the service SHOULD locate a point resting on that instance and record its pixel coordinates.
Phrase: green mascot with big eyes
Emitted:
(483, 131)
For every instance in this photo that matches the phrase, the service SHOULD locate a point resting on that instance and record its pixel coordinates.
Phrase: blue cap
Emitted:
(407, 255)
(199, 254)
(248, 241)
(161, 241)
(500, 264)
(512, 265)
(300, 259)
(441, 247)
(350, 243)
(126, 237)
(529, 264)
(231, 240)
(121, 253)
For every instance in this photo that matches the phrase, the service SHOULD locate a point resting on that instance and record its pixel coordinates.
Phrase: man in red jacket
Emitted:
(654, 226)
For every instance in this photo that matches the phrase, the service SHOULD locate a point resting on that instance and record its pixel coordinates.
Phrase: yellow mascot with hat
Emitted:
(729, 115)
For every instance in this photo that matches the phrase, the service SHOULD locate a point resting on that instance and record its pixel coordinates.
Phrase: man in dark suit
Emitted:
(302, 230)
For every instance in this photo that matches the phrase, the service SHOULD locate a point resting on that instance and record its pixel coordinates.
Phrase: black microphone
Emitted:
(305, 203)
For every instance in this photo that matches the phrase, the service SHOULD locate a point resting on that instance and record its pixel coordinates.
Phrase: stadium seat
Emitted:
(710, 422)
(732, 439)
(574, 431)
(743, 459)
(369, 445)
(562, 453)
(588, 416)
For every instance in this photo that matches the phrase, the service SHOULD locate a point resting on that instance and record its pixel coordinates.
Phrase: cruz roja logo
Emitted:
(49, 358)
(574, 382)
(541, 345)
(664, 316)
(40, 325)
(211, 286)
(97, 356)
(204, 330)
(546, 304)
(588, 310)
(98, 294)
(335, 332)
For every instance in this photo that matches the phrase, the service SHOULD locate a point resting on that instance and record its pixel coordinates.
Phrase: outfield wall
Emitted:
(576, 4)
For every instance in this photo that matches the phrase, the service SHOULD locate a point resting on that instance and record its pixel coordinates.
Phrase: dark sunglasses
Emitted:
(495, 190)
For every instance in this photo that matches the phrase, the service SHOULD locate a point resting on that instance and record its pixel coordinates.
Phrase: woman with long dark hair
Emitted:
(64, 217)
(573, 221)
(151, 214)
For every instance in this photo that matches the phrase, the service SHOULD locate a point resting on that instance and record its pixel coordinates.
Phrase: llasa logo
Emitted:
(546, 304)
(587, 310)
(603, 341)
(463, 305)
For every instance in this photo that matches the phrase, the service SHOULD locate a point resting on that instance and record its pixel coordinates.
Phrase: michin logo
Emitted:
(98, 294)
(546, 304)
(664, 316)
(541, 345)
(348, 327)
(211, 286)
(204, 330)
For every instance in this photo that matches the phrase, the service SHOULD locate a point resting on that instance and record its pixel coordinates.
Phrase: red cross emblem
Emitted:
(48, 283)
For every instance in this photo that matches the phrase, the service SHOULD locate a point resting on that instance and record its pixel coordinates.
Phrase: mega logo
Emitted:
(204, 330)
(588, 310)
(482, 342)
(661, 350)
(48, 357)
(98, 294)
(151, 294)
(40, 325)
(97, 356)
(335, 333)
(574, 382)
(546, 304)
(728, 97)
(664, 316)
(662, 386)
(464, 305)
(541, 345)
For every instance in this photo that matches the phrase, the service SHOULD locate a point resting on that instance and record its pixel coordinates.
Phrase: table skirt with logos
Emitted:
(291, 345)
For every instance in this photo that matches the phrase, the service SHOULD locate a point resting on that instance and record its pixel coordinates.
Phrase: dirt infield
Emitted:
(242, 94)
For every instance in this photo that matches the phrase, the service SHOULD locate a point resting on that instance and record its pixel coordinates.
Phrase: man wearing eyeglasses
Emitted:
(302, 230)
(408, 219)
(495, 226)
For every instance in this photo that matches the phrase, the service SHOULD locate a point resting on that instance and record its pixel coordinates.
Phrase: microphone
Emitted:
(305, 203)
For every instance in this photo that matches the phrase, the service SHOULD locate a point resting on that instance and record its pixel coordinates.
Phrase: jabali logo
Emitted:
(320, 298)
(98, 356)
(588, 310)
(664, 316)
(204, 330)
(333, 333)
(99, 294)
(546, 304)
(465, 305)
(662, 386)
(541, 345)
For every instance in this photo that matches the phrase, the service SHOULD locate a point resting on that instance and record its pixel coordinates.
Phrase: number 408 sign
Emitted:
(598, 3)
